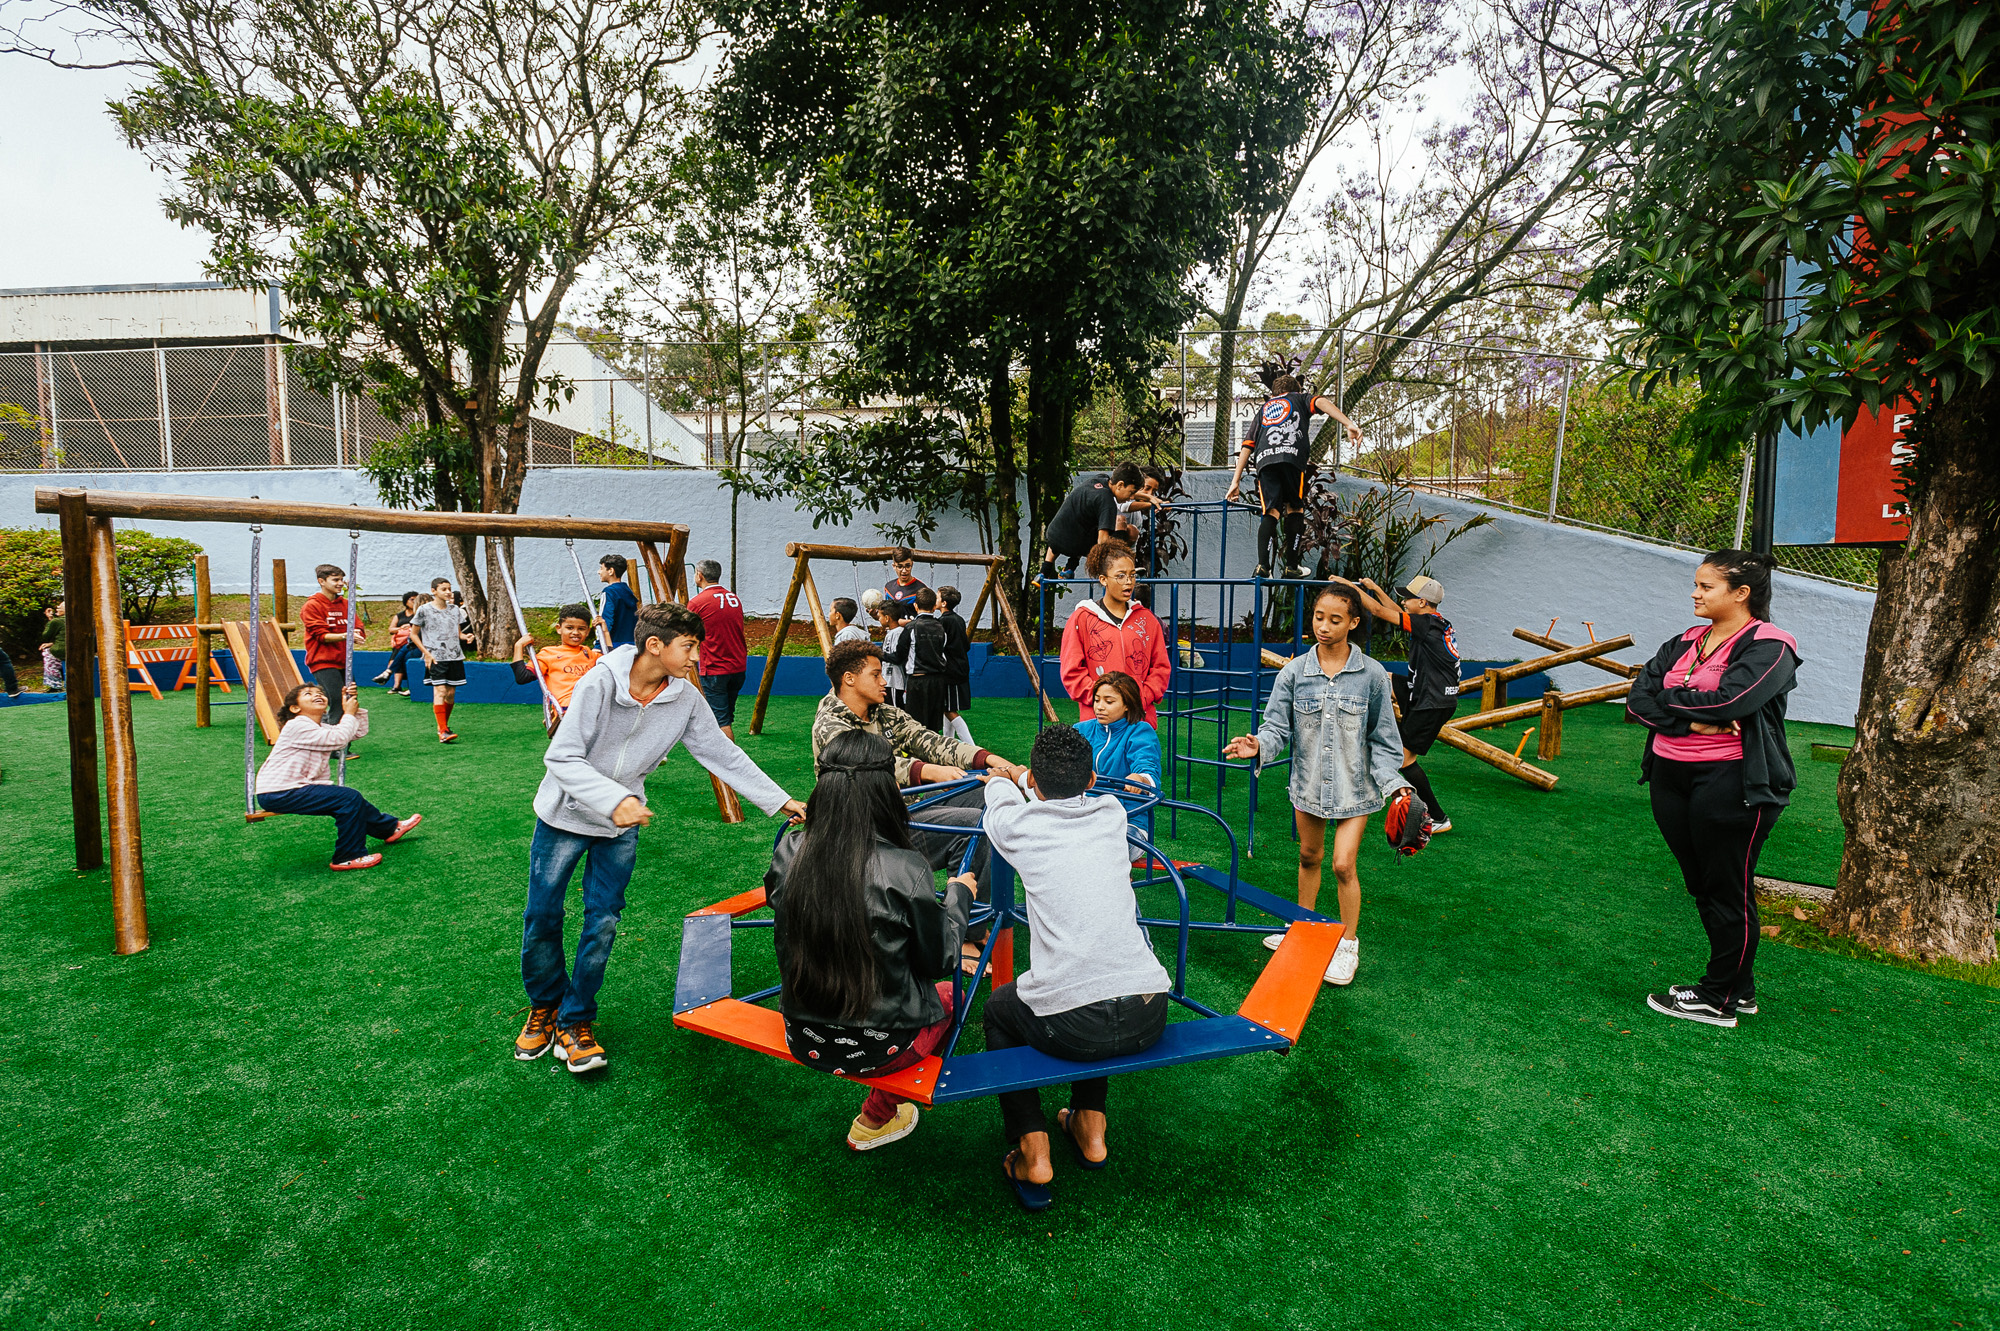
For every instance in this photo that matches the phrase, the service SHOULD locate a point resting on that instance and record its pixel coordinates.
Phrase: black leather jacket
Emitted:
(1762, 669)
(916, 936)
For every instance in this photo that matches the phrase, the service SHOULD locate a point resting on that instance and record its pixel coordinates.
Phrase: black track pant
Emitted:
(1716, 838)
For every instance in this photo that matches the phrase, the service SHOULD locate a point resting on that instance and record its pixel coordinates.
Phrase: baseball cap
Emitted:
(1424, 589)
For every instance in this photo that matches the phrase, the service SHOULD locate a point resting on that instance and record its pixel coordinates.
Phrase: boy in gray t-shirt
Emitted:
(435, 628)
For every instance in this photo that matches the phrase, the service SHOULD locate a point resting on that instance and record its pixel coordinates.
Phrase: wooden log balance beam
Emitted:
(1492, 685)
(1521, 711)
(1557, 645)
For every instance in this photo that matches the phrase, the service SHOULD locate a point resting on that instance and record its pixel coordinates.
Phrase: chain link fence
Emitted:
(1529, 431)
(1547, 435)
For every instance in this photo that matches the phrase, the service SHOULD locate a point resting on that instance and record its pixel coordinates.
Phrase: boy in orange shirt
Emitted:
(564, 662)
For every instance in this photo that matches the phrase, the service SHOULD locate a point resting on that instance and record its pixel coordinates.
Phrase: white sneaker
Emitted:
(1271, 941)
(1345, 958)
(1444, 826)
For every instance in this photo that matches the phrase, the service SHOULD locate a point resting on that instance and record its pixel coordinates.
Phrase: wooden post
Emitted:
(204, 649)
(281, 601)
(824, 629)
(85, 812)
(1491, 691)
(1551, 745)
(676, 561)
(777, 647)
(656, 572)
(121, 757)
(1028, 662)
(985, 590)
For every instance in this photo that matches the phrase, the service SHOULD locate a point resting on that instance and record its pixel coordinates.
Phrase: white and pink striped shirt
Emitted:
(300, 757)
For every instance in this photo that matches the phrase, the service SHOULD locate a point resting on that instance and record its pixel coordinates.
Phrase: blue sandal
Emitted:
(1032, 1196)
(1064, 1118)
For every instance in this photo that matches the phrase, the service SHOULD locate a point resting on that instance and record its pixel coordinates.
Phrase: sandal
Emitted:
(968, 961)
(1064, 1118)
(1032, 1196)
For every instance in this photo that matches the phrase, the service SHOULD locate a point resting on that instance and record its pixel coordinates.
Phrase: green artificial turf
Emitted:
(298, 1108)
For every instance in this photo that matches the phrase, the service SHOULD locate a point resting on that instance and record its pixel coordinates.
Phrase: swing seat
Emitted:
(261, 815)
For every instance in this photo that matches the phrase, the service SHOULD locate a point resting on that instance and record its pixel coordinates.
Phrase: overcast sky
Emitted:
(82, 209)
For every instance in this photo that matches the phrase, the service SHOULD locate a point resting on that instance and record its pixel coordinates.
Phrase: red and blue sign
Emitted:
(1838, 486)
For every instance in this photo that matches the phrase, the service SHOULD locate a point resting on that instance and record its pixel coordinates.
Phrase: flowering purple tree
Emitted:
(1481, 235)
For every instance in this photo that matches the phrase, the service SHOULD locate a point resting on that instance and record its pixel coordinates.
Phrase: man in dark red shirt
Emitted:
(323, 624)
(723, 656)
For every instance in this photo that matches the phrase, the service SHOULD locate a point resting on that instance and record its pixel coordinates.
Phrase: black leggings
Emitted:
(1716, 838)
(1111, 1028)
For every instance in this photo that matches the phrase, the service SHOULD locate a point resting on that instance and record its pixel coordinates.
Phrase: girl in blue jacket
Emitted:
(1122, 746)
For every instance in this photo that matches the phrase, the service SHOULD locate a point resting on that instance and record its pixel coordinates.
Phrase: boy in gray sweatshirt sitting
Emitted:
(1095, 989)
(625, 716)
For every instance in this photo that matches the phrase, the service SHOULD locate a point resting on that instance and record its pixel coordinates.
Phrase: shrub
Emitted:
(149, 567)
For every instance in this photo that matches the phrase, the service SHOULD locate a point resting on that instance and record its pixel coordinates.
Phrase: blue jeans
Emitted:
(399, 661)
(552, 860)
(354, 818)
(720, 692)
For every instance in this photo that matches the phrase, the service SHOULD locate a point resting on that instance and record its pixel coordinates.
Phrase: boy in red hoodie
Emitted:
(323, 624)
(1115, 633)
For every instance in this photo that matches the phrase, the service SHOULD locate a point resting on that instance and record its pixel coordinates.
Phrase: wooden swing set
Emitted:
(90, 583)
(803, 554)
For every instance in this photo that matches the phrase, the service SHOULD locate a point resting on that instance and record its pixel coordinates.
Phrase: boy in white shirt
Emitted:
(1095, 990)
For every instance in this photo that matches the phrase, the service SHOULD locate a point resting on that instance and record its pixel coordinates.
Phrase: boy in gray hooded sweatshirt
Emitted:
(624, 718)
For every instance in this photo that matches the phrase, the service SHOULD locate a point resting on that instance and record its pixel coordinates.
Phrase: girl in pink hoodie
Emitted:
(1115, 633)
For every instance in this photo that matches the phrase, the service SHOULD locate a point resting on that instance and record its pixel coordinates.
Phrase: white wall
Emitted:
(391, 564)
(1519, 572)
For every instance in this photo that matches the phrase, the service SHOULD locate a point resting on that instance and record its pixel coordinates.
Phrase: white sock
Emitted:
(963, 731)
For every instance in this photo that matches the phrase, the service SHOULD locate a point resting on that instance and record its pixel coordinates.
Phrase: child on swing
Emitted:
(1333, 705)
(294, 777)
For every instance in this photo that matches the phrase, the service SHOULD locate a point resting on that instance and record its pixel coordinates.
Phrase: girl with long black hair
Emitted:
(1713, 700)
(863, 939)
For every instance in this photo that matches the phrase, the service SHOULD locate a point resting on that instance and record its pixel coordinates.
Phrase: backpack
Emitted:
(1407, 823)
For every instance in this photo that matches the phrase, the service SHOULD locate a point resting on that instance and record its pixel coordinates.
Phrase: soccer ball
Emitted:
(871, 598)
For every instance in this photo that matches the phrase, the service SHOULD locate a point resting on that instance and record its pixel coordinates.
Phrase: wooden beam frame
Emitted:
(90, 586)
(803, 553)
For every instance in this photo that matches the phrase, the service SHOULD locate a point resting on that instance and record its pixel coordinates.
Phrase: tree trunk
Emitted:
(1920, 794)
(1222, 444)
(1008, 581)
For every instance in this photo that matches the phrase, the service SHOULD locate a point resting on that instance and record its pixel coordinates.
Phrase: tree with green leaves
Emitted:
(1857, 146)
(426, 180)
(1008, 184)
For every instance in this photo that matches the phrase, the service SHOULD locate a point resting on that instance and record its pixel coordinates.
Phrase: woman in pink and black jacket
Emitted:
(1115, 632)
(1713, 699)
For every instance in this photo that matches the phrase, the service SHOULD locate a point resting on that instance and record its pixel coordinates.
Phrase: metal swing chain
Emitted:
(249, 670)
(347, 669)
(549, 704)
(596, 616)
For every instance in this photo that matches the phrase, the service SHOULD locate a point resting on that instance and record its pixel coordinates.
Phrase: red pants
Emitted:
(880, 1106)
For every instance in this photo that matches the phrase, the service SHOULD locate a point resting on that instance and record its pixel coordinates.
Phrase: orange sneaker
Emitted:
(403, 829)
(368, 861)
(538, 1035)
(578, 1049)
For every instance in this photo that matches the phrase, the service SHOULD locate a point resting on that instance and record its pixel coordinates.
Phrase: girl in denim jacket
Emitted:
(1334, 706)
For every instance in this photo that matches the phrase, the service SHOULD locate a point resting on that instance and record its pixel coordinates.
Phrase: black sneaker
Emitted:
(1689, 1008)
(1262, 571)
(1745, 1007)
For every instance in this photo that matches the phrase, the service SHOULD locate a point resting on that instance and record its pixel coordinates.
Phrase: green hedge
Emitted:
(150, 568)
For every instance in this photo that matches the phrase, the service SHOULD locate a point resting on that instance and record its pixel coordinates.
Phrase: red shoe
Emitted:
(367, 861)
(404, 826)
(446, 736)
